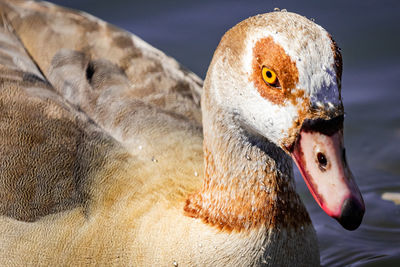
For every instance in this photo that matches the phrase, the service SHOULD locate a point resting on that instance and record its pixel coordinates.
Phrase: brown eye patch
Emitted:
(267, 53)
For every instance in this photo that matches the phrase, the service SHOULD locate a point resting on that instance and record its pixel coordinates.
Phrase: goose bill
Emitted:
(320, 156)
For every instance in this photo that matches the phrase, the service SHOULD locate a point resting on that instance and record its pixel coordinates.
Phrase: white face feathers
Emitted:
(301, 54)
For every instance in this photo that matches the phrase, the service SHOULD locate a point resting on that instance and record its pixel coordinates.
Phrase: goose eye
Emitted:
(269, 77)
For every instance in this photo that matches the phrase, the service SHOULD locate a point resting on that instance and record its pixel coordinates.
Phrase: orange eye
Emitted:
(269, 77)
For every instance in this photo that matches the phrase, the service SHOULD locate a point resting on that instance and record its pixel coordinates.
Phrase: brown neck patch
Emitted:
(244, 188)
(267, 53)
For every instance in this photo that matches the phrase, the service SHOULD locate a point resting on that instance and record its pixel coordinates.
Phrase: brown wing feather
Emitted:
(45, 29)
(74, 93)
(46, 146)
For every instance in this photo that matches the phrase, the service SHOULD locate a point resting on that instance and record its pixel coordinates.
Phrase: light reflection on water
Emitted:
(368, 32)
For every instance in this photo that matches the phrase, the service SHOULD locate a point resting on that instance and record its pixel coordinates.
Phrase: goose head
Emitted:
(280, 75)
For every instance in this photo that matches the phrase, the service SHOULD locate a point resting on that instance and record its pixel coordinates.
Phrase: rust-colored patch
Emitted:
(250, 199)
(267, 53)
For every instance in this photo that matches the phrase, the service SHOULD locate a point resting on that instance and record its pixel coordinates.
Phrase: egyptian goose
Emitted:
(108, 159)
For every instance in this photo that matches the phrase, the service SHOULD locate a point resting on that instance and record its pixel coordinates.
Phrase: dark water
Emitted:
(369, 34)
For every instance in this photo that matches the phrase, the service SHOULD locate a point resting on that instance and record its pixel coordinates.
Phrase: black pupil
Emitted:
(322, 159)
(269, 74)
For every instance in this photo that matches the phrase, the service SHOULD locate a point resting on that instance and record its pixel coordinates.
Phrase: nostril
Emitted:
(322, 161)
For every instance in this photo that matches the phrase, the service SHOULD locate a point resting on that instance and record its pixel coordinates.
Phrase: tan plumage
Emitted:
(101, 155)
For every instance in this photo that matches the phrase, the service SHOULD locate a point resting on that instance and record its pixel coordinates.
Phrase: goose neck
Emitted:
(248, 181)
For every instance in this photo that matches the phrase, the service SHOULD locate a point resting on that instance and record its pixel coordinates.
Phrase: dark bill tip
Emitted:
(352, 214)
